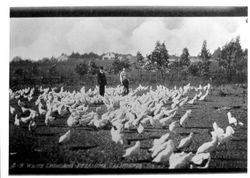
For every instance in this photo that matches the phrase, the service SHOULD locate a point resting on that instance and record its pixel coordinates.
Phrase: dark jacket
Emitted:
(101, 79)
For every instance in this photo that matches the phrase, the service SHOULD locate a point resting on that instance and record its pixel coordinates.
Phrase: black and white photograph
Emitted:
(128, 90)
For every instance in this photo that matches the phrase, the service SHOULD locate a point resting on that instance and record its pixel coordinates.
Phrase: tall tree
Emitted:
(217, 54)
(184, 59)
(118, 65)
(232, 56)
(17, 59)
(159, 57)
(205, 55)
(139, 63)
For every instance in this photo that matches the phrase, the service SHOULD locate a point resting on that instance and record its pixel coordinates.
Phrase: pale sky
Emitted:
(35, 38)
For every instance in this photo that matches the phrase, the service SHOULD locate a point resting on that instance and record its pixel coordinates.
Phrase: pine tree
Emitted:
(232, 56)
(159, 57)
(184, 59)
(205, 56)
(139, 63)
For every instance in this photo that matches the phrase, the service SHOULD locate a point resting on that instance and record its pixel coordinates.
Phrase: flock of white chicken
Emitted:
(142, 107)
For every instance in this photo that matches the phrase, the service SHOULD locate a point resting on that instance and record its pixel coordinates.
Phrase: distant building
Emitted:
(108, 56)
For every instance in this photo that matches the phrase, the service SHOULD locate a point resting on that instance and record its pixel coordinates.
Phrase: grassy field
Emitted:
(92, 148)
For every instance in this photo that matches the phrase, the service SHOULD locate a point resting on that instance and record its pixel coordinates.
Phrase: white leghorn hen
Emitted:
(225, 137)
(164, 155)
(221, 135)
(12, 110)
(173, 126)
(198, 88)
(159, 141)
(41, 110)
(199, 95)
(20, 103)
(24, 109)
(128, 124)
(167, 120)
(186, 141)
(180, 160)
(17, 121)
(233, 120)
(48, 117)
(184, 118)
(159, 148)
(146, 120)
(219, 131)
(193, 99)
(183, 101)
(32, 115)
(73, 119)
(132, 150)
(199, 158)
(63, 109)
(174, 104)
(169, 112)
(208, 146)
(32, 124)
(159, 116)
(158, 108)
(140, 128)
(154, 123)
(204, 96)
(65, 138)
(207, 87)
(116, 135)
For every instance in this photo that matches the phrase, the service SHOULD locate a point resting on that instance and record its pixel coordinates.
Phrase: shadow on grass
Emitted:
(77, 148)
(45, 134)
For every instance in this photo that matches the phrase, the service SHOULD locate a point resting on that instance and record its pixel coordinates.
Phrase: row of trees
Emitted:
(115, 67)
(232, 61)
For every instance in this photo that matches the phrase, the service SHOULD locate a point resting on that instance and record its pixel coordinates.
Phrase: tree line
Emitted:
(231, 59)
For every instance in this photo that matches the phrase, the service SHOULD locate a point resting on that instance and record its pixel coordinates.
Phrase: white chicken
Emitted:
(208, 146)
(12, 110)
(65, 138)
(198, 160)
(167, 120)
(158, 148)
(180, 160)
(17, 121)
(225, 137)
(140, 128)
(193, 99)
(173, 126)
(132, 150)
(164, 155)
(116, 135)
(48, 118)
(41, 110)
(202, 98)
(185, 142)
(233, 120)
(159, 141)
(185, 117)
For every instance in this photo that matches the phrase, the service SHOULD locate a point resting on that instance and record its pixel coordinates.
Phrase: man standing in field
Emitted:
(124, 81)
(101, 79)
